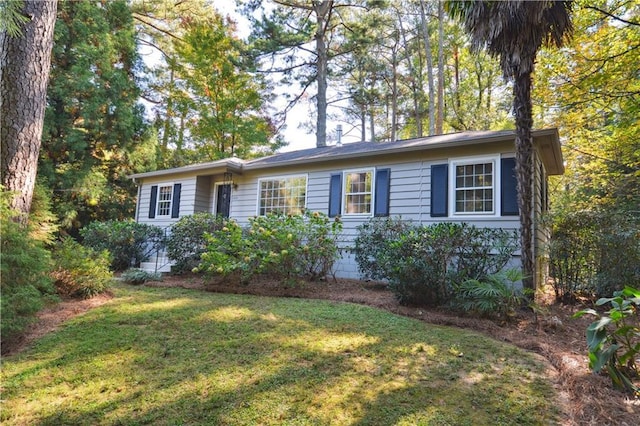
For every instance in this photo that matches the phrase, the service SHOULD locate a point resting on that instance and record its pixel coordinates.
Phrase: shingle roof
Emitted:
(372, 149)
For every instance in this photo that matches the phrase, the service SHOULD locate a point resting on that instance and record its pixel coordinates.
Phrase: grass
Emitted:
(180, 357)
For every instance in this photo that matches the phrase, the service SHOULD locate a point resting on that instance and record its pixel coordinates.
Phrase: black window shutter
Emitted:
(152, 201)
(439, 190)
(335, 194)
(175, 200)
(509, 188)
(381, 201)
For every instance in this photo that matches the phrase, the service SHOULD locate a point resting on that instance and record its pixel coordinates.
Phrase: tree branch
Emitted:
(611, 15)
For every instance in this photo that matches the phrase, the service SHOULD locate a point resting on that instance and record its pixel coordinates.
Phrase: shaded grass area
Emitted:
(174, 356)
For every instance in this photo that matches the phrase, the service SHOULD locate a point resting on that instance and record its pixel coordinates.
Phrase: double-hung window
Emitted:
(283, 195)
(165, 195)
(358, 192)
(474, 186)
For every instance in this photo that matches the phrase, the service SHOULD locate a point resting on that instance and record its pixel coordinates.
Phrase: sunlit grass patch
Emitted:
(175, 356)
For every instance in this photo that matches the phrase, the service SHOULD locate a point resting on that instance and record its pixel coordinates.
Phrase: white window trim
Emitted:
(170, 184)
(372, 170)
(495, 159)
(279, 177)
(216, 188)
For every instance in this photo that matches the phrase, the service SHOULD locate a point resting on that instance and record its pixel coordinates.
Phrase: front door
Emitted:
(223, 199)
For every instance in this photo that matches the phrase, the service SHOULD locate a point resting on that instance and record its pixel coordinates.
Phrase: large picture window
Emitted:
(165, 194)
(285, 195)
(358, 190)
(474, 190)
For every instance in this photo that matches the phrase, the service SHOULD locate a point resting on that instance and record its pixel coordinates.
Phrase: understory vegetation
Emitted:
(437, 264)
(175, 356)
(594, 253)
(284, 247)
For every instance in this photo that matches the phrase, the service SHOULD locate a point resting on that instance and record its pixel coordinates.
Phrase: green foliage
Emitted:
(93, 121)
(423, 264)
(24, 268)
(495, 295)
(593, 252)
(11, 17)
(590, 92)
(370, 243)
(127, 242)
(614, 338)
(281, 246)
(80, 271)
(138, 276)
(187, 242)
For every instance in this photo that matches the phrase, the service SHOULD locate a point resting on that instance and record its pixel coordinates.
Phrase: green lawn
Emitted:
(174, 356)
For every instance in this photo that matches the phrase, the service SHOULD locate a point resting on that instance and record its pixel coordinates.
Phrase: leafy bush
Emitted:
(138, 276)
(423, 263)
(593, 253)
(24, 267)
(371, 242)
(127, 242)
(187, 242)
(495, 295)
(79, 271)
(418, 264)
(614, 338)
(284, 247)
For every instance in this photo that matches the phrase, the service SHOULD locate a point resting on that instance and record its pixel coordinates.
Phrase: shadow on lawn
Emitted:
(179, 357)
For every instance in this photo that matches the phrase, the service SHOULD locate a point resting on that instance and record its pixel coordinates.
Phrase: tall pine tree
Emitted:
(93, 119)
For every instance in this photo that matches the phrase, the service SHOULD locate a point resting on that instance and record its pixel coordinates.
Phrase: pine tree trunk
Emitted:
(524, 172)
(440, 110)
(323, 10)
(25, 62)
(427, 50)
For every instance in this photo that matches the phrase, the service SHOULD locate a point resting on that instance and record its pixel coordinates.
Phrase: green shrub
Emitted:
(614, 338)
(371, 243)
(423, 264)
(418, 264)
(128, 243)
(80, 271)
(24, 267)
(187, 242)
(138, 276)
(283, 247)
(495, 295)
(593, 253)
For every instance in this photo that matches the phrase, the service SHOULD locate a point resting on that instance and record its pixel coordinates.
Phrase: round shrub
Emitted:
(138, 276)
(128, 243)
(187, 241)
(79, 271)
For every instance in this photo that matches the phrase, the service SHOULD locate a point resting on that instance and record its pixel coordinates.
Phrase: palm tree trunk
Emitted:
(524, 171)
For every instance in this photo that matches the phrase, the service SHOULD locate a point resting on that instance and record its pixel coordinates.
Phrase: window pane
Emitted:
(357, 192)
(284, 196)
(474, 188)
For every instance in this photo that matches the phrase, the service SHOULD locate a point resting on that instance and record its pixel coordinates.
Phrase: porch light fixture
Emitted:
(227, 177)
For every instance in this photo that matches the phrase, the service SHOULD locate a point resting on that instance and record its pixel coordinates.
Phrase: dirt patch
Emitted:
(586, 399)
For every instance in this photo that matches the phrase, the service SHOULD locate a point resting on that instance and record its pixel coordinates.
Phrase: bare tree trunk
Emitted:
(394, 98)
(414, 88)
(427, 49)
(440, 109)
(524, 171)
(25, 62)
(323, 11)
